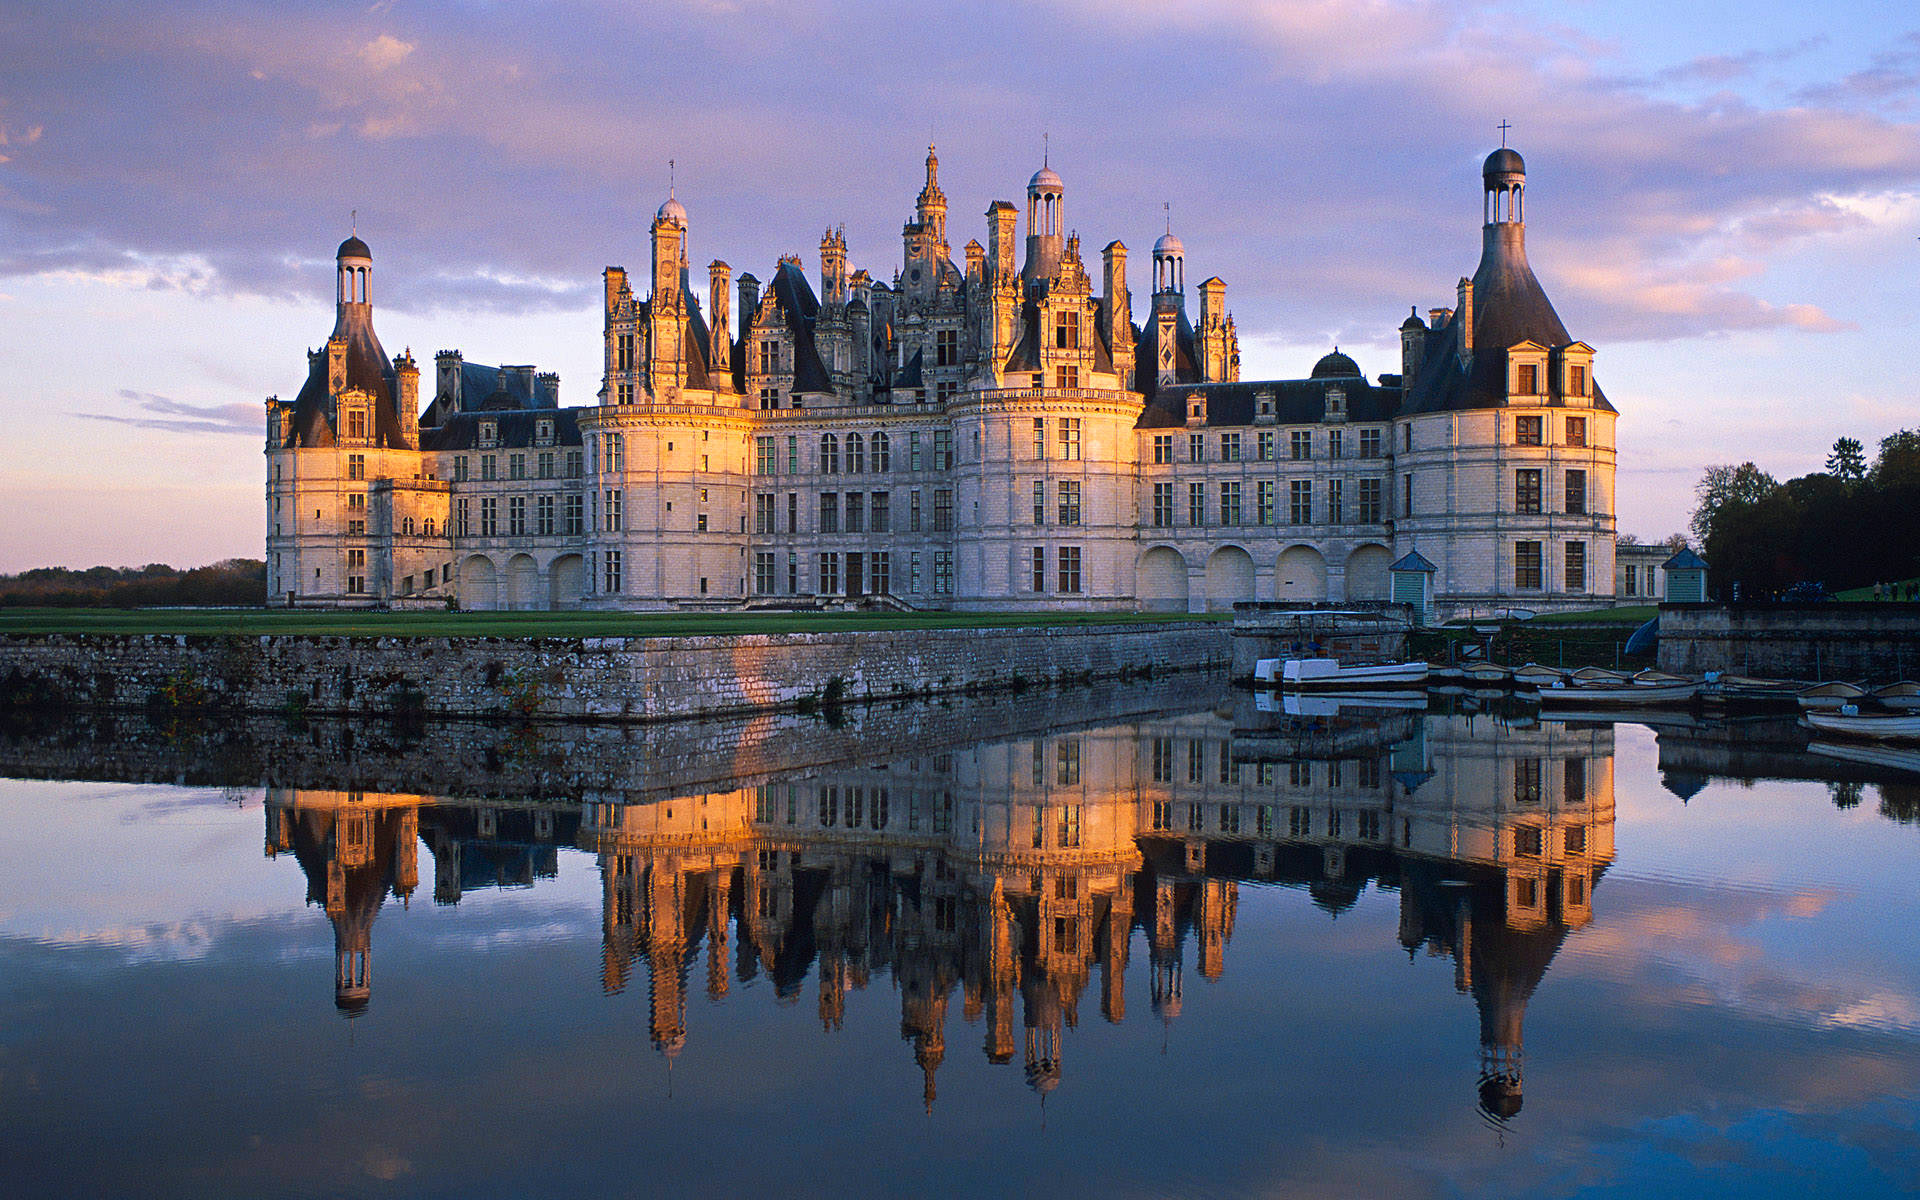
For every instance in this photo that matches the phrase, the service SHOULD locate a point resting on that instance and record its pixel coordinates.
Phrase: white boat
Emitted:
(1623, 693)
(1332, 673)
(1828, 697)
(1904, 696)
(1850, 722)
(1535, 675)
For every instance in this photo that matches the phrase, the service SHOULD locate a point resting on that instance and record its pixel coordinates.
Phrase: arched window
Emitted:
(882, 453)
(429, 527)
(856, 455)
(829, 454)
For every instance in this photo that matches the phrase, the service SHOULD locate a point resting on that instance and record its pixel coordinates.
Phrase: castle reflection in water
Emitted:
(1008, 874)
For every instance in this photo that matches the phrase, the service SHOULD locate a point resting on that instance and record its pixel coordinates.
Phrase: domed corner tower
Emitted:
(354, 423)
(1503, 452)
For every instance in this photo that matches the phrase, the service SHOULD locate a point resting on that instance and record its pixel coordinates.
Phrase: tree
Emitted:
(1848, 460)
(1899, 463)
(1726, 485)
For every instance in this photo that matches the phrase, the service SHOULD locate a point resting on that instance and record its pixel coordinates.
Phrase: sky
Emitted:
(1722, 198)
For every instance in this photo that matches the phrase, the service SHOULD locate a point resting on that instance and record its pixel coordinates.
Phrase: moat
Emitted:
(1115, 940)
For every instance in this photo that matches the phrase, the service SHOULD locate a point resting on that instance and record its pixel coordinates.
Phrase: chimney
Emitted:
(719, 296)
(1465, 309)
(406, 378)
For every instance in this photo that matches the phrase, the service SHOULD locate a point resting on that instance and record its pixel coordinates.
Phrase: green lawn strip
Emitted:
(1866, 593)
(266, 622)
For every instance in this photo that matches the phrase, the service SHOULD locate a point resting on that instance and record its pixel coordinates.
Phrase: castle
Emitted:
(973, 435)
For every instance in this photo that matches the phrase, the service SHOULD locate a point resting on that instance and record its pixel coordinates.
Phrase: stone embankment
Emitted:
(1856, 642)
(579, 679)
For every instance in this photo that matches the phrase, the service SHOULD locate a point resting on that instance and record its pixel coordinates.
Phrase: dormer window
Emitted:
(356, 425)
(1526, 379)
(1576, 381)
(1263, 405)
(1196, 408)
(489, 433)
(1336, 404)
(543, 432)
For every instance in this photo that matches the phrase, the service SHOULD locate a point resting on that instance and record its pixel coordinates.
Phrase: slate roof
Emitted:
(462, 430)
(1296, 402)
(1146, 370)
(368, 368)
(1685, 560)
(801, 309)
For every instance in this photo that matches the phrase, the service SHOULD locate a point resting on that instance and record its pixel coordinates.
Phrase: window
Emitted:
(1406, 438)
(1196, 504)
(1369, 826)
(489, 516)
(763, 513)
(546, 464)
(543, 516)
(1527, 430)
(1230, 503)
(1162, 447)
(1527, 571)
(877, 515)
(793, 574)
(1576, 381)
(1066, 377)
(1577, 492)
(357, 423)
(943, 572)
(1526, 379)
(829, 512)
(942, 509)
(612, 581)
(1300, 444)
(946, 348)
(856, 511)
(1406, 495)
(1069, 501)
(1039, 564)
(1369, 443)
(517, 516)
(1070, 438)
(1229, 818)
(856, 454)
(543, 432)
(1336, 500)
(1068, 557)
(1066, 331)
(576, 464)
(913, 450)
(1196, 447)
(1039, 502)
(829, 454)
(1264, 442)
(459, 468)
(1300, 502)
(763, 577)
(913, 572)
(1229, 447)
(623, 357)
(1575, 770)
(613, 514)
(829, 576)
(576, 515)
(1039, 437)
(516, 466)
(1631, 584)
(1527, 843)
(1162, 505)
(489, 433)
(356, 466)
(1335, 443)
(488, 467)
(1370, 504)
(943, 449)
(1526, 491)
(1263, 501)
(913, 511)
(1576, 430)
(793, 454)
(880, 453)
(1162, 767)
(769, 357)
(763, 456)
(880, 576)
(1576, 566)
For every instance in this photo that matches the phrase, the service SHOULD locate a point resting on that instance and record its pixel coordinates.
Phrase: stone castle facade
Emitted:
(981, 434)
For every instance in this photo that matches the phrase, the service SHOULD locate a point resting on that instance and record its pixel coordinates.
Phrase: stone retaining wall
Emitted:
(1858, 642)
(578, 679)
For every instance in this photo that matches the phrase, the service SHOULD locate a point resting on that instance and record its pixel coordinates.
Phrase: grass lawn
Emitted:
(262, 622)
(1866, 593)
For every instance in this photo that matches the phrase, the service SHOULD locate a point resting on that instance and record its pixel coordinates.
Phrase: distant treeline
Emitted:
(1853, 525)
(237, 581)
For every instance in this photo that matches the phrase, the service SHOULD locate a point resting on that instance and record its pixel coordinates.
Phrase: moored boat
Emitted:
(1904, 696)
(1617, 692)
(1851, 722)
(1332, 673)
(1828, 697)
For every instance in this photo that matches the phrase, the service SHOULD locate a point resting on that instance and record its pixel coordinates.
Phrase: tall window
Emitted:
(1066, 331)
(1229, 447)
(763, 512)
(879, 520)
(1039, 437)
(357, 423)
(1263, 501)
(946, 348)
(1369, 443)
(793, 454)
(546, 464)
(613, 514)
(1070, 438)
(517, 516)
(1301, 444)
(1576, 381)
(1039, 502)
(1264, 440)
(880, 453)
(489, 516)
(543, 516)
(942, 509)
(880, 576)
(576, 515)
(1230, 502)
(913, 450)
(1065, 376)
(1336, 500)
(1576, 566)
(516, 466)
(1526, 491)
(1527, 430)
(1577, 492)
(943, 572)
(943, 449)
(489, 468)
(1196, 504)
(856, 454)
(829, 512)
(1069, 501)
(356, 466)
(1406, 495)
(1334, 443)
(1039, 565)
(1069, 560)
(1162, 505)
(1300, 502)
(459, 468)
(829, 576)
(763, 455)
(829, 454)
(856, 511)
(1162, 447)
(1526, 379)
(1527, 571)
(1576, 431)
(1196, 447)
(1370, 504)
(763, 573)
(613, 578)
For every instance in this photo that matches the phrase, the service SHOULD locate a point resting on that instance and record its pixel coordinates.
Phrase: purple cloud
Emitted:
(176, 416)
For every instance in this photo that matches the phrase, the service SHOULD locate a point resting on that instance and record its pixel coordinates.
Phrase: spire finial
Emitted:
(669, 179)
(1046, 149)
(354, 221)
(1503, 132)
(1168, 205)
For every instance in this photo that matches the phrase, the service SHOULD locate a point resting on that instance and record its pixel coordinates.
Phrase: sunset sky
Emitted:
(1723, 199)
